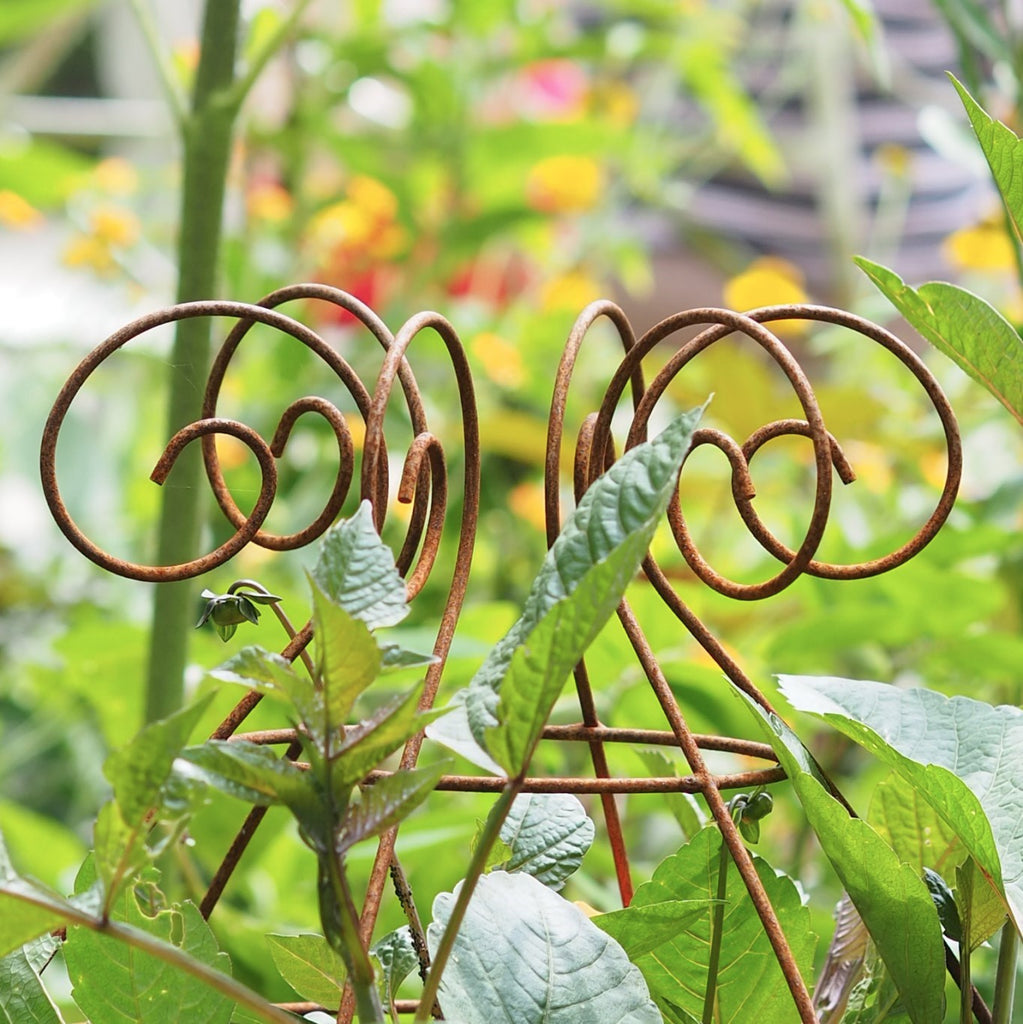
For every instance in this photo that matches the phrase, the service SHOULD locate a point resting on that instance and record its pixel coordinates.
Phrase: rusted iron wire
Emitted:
(425, 486)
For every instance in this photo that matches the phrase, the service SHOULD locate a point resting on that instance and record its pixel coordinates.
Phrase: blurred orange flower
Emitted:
(526, 502)
(89, 251)
(269, 201)
(565, 184)
(768, 281)
(115, 176)
(114, 225)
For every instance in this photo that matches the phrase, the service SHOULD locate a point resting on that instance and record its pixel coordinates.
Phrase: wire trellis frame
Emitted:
(424, 485)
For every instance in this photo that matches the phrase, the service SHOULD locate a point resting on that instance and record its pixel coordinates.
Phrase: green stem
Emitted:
(488, 837)
(717, 928)
(1005, 975)
(207, 134)
(340, 919)
(966, 925)
(146, 943)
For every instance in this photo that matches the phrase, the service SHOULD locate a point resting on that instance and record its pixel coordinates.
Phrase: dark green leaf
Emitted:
(386, 803)
(581, 582)
(945, 904)
(309, 966)
(356, 571)
(889, 895)
(394, 658)
(366, 744)
(269, 673)
(970, 331)
(547, 836)
(523, 955)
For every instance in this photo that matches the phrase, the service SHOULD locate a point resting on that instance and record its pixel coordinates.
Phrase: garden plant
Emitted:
(390, 836)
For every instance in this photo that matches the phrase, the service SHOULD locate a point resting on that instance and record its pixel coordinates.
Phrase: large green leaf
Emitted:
(547, 836)
(269, 673)
(642, 929)
(396, 958)
(139, 770)
(579, 585)
(23, 1000)
(115, 984)
(524, 955)
(751, 986)
(309, 965)
(963, 756)
(890, 896)
(970, 331)
(356, 571)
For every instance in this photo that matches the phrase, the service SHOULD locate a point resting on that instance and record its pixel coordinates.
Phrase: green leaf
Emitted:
(394, 658)
(386, 803)
(970, 331)
(641, 930)
(116, 984)
(252, 773)
(139, 770)
(524, 955)
(26, 912)
(366, 744)
(580, 584)
(751, 986)
(547, 836)
(396, 956)
(22, 18)
(309, 966)
(269, 673)
(356, 571)
(889, 895)
(348, 661)
(963, 756)
(23, 999)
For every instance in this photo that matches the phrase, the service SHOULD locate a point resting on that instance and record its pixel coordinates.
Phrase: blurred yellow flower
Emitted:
(373, 197)
(985, 246)
(894, 159)
(17, 212)
(768, 281)
(89, 251)
(565, 184)
(500, 359)
(617, 101)
(526, 503)
(571, 291)
(872, 465)
(269, 202)
(231, 451)
(114, 225)
(357, 428)
(115, 176)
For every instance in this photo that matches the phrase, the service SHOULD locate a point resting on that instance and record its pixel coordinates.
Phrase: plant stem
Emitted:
(717, 927)
(1005, 975)
(206, 137)
(488, 837)
(340, 919)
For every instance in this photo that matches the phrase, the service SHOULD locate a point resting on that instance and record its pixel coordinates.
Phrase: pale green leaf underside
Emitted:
(524, 955)
(964, 756)
(23, 1000)
(889, 895)
(308, 964)
(579, 585)
(751, 986)
(547, 835)
(970, 331)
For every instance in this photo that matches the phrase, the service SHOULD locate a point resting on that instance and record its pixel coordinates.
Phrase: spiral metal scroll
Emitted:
(424, 485)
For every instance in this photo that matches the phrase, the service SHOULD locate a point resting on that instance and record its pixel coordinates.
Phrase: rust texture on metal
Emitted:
(424, 485)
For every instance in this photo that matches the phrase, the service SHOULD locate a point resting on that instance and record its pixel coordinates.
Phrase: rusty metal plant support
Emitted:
(424, 485)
